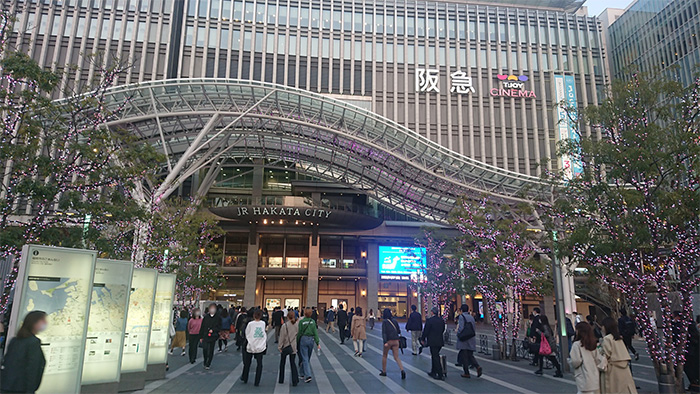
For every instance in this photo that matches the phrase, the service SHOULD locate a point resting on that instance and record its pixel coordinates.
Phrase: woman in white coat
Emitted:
(584, 360)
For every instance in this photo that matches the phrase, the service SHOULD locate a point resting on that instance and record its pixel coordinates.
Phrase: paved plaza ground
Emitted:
(336, 370)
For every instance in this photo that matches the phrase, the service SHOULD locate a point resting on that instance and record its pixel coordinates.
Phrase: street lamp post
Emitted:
(559, 301)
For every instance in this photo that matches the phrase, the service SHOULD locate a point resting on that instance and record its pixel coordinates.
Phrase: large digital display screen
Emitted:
(400, 262)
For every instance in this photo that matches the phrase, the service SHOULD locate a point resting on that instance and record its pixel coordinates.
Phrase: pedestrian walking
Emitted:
(390, 336)
(211, 325)
(585, 359)
(617, 376)
(314, 315)
(256, 347)
(287, 346)
(371, 318)
(307, 335)
(277, 321)
(359, 331)
(342, 322)
(545, 332)
(433, 338)
(627, 327)
(240, 324)
(265, 317)
(194, 326)
(415, 326)
(466, 342)
(23, 365)
(180, 338)
(330, 320)
(225, 332)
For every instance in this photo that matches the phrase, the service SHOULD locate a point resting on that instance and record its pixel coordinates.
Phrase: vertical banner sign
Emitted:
(565, 87)
(105, 338)
(57, 281)
(162, 316)
(138, 320)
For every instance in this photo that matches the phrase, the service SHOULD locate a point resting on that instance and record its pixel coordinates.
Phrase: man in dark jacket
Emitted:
(342, 322)
(277, 321)
(415, 326)
(211, 325)
(433, 338)
(330, 320)
(626, 326)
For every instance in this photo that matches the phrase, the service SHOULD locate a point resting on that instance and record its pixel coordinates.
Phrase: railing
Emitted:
(343, 264)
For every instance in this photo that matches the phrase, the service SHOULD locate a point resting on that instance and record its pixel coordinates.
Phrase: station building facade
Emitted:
(479, 81)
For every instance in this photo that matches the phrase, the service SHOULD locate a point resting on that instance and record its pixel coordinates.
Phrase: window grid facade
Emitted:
(351, 49)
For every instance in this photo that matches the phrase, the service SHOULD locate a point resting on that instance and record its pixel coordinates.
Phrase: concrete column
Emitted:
(251, 269)
(258, 174)
(314, 263)
(373, 278)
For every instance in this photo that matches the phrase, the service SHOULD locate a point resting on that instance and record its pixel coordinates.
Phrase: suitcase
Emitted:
(443, 363)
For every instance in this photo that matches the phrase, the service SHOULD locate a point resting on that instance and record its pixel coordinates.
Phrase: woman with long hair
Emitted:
(584, 360)
(287, 345)
(194, 325)
(616, 376)
(545, 329)
(358, 331)
(23, 365)
(371, 318)
(390, 336)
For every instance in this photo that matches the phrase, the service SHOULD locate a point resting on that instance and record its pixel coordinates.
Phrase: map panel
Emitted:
(57, 281)
(162, 316)
(138, 320)
(103, 345)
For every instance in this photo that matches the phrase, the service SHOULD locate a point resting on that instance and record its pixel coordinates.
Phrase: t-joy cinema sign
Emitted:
(512, 86)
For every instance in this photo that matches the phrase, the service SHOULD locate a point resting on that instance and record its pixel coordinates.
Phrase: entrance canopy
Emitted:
(200, 123)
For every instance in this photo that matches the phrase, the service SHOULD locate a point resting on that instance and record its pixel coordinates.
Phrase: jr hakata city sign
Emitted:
(284, 211)
(512, 86)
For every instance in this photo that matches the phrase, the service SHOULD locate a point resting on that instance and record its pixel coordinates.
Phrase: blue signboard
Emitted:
(400, 262)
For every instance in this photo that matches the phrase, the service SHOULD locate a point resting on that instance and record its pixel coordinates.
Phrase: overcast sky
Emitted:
(595, 7)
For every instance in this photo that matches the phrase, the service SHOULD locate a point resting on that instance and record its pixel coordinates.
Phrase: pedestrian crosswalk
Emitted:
(337, 371)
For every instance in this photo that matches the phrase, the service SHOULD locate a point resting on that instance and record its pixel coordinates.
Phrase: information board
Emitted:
(399, 262)
(162, 317)
(57, 281)
(105, 337)
(138, 320)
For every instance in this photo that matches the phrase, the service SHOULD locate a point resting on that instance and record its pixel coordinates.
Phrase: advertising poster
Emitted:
(399, 262)
(105, 337)
(57, 281)
(138, 320)
(162, 317)
(565, 88)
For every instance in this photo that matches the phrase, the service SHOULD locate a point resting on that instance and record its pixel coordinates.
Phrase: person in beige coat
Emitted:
(287, 345)
(616, 376)
(584, 360)
(358, 331)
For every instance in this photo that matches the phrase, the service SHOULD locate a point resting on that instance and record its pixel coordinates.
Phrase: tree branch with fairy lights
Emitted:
(632, 217)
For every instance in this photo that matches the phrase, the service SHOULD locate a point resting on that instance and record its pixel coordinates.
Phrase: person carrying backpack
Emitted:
(627, 328)
(466, 342)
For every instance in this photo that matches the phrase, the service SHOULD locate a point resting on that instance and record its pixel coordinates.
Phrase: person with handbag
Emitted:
(194, 326)
(256, 337)
(547, 346)
(584, 360)
(466, 342)
(616, 376)
(179, 339)
(358, 331)
(211, 325)
(307, 337)
(287, 345)
(390, 335)
(434, 339)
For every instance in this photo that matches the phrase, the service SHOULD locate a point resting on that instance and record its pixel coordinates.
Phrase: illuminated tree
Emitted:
(497, 250)
(633, 215)
(57, 160)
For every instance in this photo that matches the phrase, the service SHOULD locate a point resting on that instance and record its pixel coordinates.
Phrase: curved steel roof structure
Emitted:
(199, 122)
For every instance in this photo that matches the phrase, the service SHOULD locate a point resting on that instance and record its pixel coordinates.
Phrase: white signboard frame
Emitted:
(46, 275)
(105, 337)
(139, 316)
(162, 319)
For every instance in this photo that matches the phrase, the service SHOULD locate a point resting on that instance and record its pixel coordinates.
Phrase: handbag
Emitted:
(545, 349)
(232, 329)
(467, 332)
(403, 342)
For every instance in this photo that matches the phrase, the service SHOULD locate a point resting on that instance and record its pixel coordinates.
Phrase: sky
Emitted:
(595, 7)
